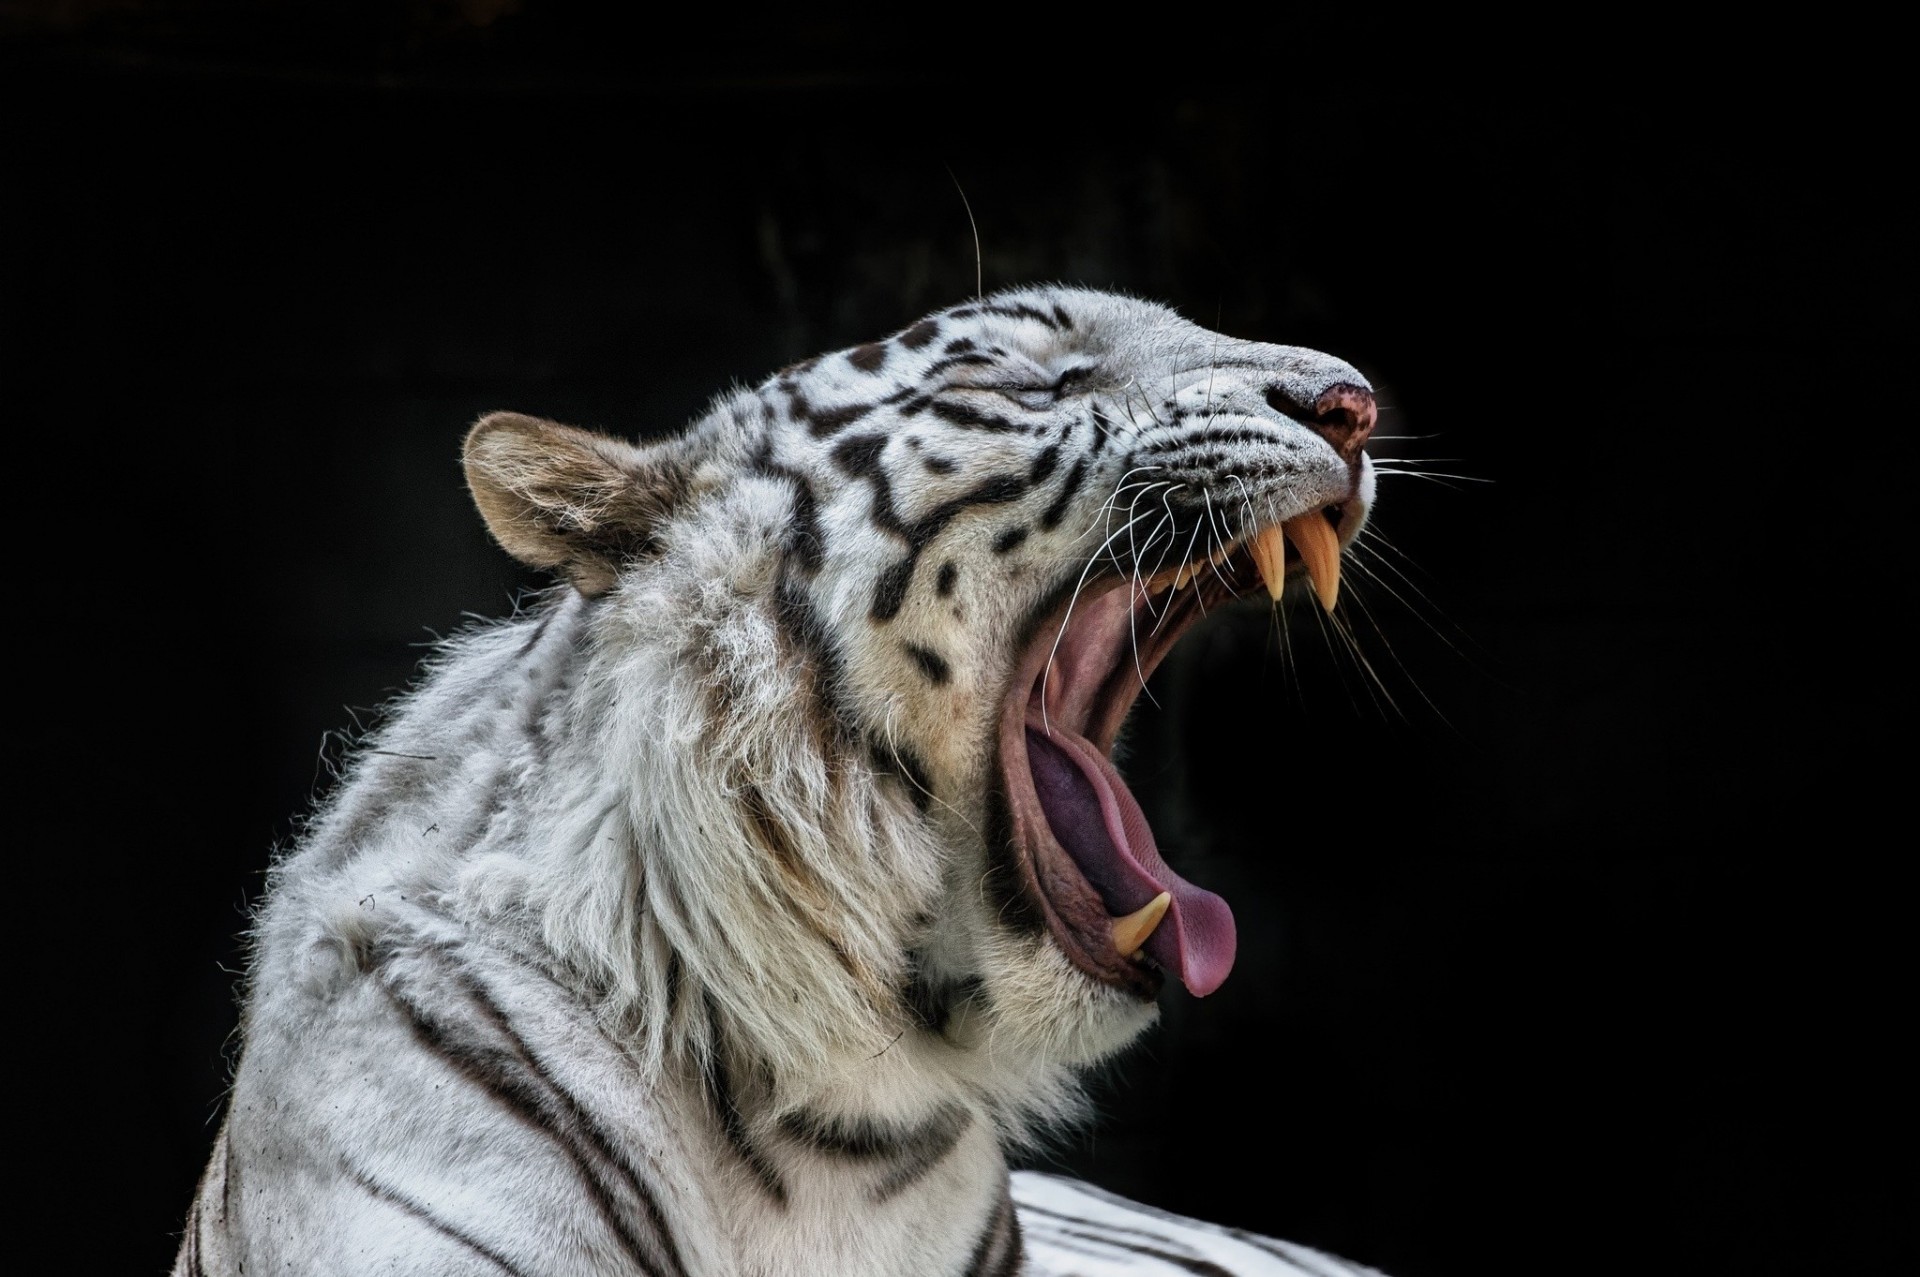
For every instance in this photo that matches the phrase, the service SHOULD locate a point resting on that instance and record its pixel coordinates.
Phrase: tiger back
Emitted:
(744, 904)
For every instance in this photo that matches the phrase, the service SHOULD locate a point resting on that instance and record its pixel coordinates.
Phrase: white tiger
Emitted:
(738, 908)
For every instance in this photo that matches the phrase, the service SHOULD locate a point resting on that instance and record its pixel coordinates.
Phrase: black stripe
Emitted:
(859, 456)
(890, 591)
(929, 1145)
(939, 464)
(956, 361)
(920, 334)
(931, 663)
(719, 1086)
(501, 1064)
(804, 540)
(833, 420)
(857, 1138)
(1197, 1266)
(958, 346)
(995, 491)
(896, 760)
(1020, 310)
(190, 1241)
(1043, 465)
(1105, 430)
(1214, 434)
(948, 578)
(1205, 460)
(931, 1003)
(793, 612)
(1010, 539)
(869, 357)
(1060, 1241)
(674, 975)
(964, 414)
(915, 1150)
(999, 1251)
(1299, 1256)
(539, 632)
(591, 1134)
(1057, 508)
(393, 1197)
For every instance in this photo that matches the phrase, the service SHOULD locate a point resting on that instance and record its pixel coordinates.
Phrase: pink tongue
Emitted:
(1098, 821)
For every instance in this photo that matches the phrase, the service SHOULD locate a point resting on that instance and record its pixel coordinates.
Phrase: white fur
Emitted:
(575, 803)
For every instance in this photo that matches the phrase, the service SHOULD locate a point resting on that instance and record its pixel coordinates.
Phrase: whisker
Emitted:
(1360, 601)
(1434, 476)
(1073, 601)
(1371, 538)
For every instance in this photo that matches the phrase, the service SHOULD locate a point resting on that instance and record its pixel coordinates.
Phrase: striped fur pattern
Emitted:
(687, 923)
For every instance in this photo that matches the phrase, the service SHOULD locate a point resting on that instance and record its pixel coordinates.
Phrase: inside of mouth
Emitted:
(1089, 851)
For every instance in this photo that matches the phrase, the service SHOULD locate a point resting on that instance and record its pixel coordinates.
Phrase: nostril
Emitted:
(1341, 414)
(1344, 416)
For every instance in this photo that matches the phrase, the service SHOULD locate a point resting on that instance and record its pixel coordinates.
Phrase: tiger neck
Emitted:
(873, 1167)
(714, 872)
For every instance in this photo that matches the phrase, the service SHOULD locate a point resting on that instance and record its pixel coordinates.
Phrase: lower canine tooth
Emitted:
(1319, 549)
(1130, 932)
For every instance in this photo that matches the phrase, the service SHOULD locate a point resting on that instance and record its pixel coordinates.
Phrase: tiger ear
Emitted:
(558, 497)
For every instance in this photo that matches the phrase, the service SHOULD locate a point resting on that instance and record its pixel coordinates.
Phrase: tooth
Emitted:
(1160, 580)
(1269, 549)
(1319, 548)
(1183, 576)
(1130, 932)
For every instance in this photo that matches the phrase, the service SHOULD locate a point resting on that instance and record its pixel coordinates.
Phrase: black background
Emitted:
(1575, 941)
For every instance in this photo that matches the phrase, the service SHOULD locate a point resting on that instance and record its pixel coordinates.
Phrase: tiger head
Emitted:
(866, 637)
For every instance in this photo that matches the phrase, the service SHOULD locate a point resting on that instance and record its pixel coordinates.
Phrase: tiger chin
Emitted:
(737, 908)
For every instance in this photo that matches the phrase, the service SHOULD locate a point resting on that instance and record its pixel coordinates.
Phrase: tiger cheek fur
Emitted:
(781, 858)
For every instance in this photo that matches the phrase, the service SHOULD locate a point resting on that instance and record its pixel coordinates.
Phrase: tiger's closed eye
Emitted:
(1039, 397)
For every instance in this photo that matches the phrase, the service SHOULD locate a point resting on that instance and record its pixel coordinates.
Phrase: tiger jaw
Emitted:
(1082, 849)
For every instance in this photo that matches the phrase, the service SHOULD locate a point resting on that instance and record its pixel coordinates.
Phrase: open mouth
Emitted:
(1084, 852)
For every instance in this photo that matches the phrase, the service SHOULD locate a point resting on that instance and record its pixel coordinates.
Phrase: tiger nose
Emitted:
(1343, 415)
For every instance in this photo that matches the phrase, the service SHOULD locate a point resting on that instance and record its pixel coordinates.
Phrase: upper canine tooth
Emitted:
(1184, 575)
(1130, 932)
(1319, 549)
(1269, 550)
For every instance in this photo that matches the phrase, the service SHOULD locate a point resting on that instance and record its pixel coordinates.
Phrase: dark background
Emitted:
(1572, 942)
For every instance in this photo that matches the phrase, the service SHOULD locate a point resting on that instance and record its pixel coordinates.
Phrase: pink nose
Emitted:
(1344, 417)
